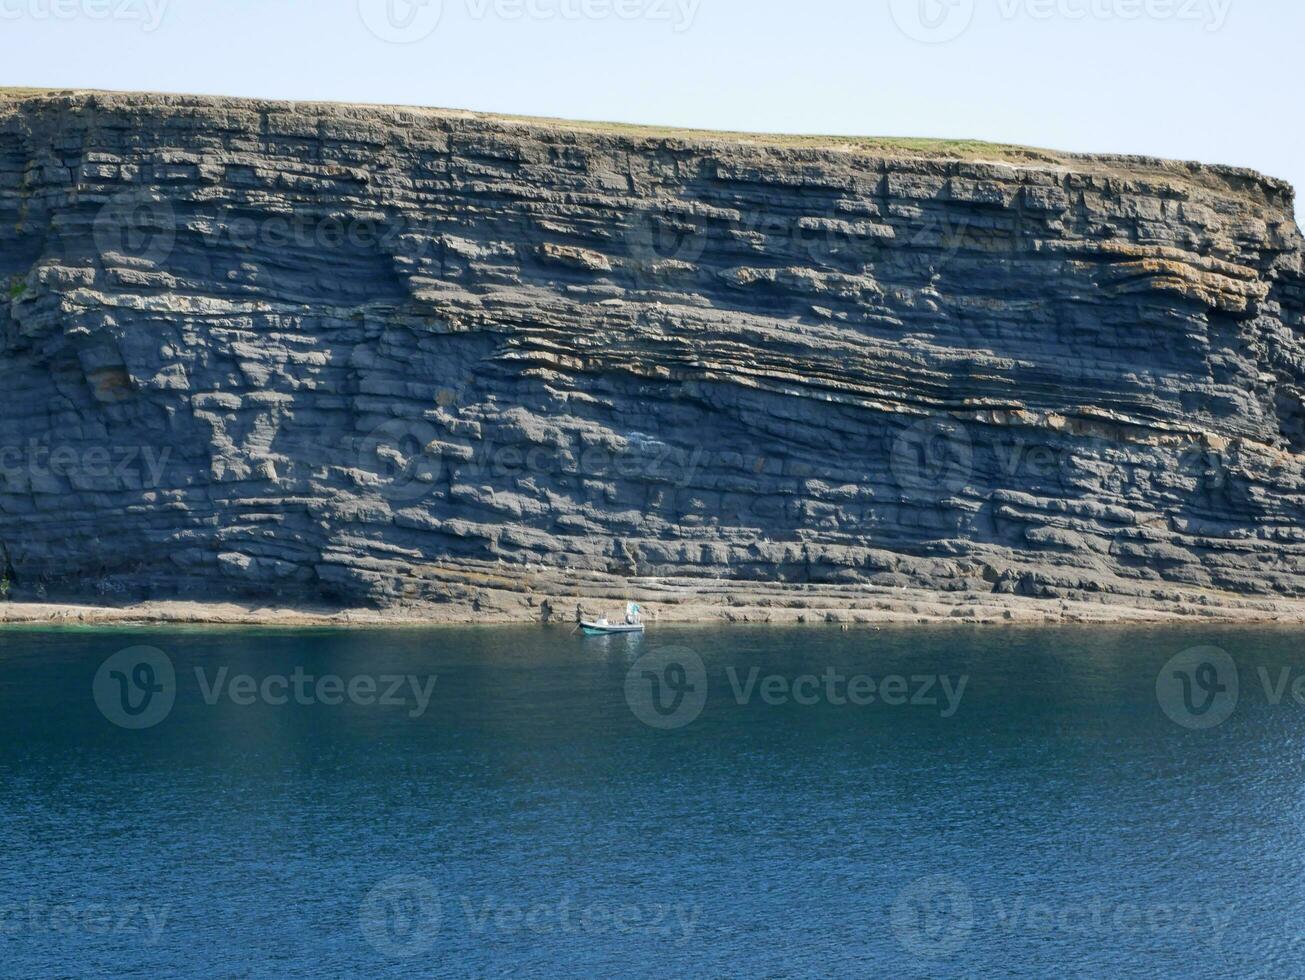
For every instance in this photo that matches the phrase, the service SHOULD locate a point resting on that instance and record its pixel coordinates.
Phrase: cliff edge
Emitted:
(466, 367)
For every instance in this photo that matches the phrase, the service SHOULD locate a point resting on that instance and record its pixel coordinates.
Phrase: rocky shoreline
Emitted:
(727, 607)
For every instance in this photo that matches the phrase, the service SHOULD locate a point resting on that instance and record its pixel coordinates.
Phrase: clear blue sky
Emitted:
(1213, 80)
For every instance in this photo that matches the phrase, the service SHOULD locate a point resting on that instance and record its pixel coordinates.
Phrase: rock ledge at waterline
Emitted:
(442, 366)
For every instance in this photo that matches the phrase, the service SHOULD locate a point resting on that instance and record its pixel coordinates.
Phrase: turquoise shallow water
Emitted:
(538, 814)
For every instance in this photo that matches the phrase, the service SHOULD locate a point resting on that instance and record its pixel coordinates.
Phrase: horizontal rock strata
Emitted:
(337, 356)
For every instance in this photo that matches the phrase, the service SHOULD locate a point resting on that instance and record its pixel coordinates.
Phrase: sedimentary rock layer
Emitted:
(362, 356)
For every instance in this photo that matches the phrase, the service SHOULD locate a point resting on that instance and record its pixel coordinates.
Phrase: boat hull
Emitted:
(594, 629)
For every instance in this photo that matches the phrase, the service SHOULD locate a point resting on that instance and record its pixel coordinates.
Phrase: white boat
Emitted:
(604, 627)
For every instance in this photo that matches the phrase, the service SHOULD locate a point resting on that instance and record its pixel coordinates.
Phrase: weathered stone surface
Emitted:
(331, 355)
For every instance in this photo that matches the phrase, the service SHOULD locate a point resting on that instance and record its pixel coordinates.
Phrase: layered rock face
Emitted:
(346, 356)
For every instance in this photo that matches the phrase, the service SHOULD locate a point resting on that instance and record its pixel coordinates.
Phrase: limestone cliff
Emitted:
(343, 356)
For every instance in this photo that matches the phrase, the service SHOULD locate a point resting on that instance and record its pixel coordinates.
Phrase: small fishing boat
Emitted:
(604, 627)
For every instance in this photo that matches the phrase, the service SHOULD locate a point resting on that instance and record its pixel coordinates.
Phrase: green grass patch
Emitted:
(27, 93)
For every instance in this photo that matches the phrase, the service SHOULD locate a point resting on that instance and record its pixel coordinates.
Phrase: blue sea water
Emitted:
(698, 802)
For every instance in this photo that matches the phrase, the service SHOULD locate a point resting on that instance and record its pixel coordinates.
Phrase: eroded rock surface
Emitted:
(342, 356)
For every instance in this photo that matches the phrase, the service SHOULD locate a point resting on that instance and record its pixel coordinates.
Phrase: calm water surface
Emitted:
(702, 802)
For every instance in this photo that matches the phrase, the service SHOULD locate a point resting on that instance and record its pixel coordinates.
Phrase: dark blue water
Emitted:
(1053, 815)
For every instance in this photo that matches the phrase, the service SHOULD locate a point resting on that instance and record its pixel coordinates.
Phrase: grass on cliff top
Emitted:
(950, 148)
(966, 149)
(24, 93)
